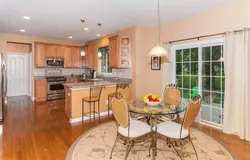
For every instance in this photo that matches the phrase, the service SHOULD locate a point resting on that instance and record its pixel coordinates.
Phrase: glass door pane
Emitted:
(212, 84)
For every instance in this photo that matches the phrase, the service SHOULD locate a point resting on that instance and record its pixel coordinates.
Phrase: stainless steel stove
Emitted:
(55, 88)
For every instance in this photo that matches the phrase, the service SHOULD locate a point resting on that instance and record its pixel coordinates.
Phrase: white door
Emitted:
(18, 74)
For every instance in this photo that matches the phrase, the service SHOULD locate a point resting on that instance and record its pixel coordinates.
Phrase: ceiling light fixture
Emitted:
(86, 29)
(26, 17)
(22, 30)
(70, 37)
(159, 50)
(98, 35)
(83, 53)
(99, 54)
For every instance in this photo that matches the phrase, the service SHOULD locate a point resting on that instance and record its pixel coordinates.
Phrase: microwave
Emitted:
(55, 62)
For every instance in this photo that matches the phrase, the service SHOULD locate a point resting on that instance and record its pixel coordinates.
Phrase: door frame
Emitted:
(29, 70)
(169, 70)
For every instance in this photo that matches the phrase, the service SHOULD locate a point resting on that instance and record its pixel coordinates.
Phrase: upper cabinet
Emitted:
(70, 54)
(67, 57)
(120, 52)
(51, 51)
(40, 55)
(76, 60)
(90, 58)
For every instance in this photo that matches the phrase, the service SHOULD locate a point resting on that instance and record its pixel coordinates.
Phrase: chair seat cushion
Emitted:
(137, 129)
(88, 99)
(171, 130)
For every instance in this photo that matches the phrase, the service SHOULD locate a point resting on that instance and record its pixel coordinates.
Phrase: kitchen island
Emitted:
(74, 92)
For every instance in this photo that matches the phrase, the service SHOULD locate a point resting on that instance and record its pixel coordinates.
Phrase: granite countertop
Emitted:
(106, 82)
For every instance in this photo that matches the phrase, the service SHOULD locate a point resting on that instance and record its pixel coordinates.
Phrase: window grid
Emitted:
(200, 75)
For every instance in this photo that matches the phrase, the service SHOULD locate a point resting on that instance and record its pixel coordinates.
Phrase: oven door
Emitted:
(55, 87)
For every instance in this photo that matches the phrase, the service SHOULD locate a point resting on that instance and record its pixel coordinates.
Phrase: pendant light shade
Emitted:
(99, 54)
(158, 51)
(83, 53)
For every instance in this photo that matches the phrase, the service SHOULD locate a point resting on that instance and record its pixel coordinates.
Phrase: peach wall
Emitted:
(231, 17)
(5, 37)
(131, 31)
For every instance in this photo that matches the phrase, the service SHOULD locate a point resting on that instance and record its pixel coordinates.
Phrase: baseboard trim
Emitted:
(86, 118)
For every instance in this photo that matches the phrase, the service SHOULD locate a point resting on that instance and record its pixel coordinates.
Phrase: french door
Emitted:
(198, 69)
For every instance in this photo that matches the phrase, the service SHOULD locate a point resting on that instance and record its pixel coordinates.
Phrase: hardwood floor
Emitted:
(42, 132)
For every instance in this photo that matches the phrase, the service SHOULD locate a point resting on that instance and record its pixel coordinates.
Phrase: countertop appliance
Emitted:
(3, 90)
(54, 62)
(55, 88)
(92, 73)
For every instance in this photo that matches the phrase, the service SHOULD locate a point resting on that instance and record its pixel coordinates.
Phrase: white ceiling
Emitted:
(60, 19)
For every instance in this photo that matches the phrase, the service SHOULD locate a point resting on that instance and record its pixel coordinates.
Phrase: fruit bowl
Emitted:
(152, 100)
(152, 103)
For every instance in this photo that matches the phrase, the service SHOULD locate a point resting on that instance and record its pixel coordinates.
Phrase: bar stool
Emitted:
(94, 96)
(124, 89)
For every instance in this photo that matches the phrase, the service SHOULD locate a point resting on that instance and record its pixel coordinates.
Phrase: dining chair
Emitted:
(94, 96)
(175, 131)
(124, 89)
(129, 131)
(172, 95)
(171, 98)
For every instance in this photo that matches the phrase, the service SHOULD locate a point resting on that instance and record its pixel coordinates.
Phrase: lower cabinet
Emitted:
(41, 90)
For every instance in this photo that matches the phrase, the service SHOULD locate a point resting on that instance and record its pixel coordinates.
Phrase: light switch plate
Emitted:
(107, 102)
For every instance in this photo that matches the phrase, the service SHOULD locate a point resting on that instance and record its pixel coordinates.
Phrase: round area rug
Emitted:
(96, 144)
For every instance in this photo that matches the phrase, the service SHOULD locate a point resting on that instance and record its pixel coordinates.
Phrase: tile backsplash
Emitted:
(122, 73)
(41, 72)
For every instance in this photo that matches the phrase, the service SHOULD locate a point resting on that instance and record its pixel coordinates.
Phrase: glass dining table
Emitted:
(140, 108)
(152, 115)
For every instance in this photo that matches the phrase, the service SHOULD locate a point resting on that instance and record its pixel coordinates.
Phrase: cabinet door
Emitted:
(75, 57)
(60, 51)
(40, 54)
(67, 57)
(124, 53)
(51, 51)
(41, 90)
(91, 55)
(113, 51)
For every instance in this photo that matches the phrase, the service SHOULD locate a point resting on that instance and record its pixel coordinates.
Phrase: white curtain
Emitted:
(237, 84)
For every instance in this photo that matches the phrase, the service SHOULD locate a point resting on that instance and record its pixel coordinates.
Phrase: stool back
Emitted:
(95, 92)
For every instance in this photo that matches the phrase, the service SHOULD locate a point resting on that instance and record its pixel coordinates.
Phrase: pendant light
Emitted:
(158, 50)
(83, 53)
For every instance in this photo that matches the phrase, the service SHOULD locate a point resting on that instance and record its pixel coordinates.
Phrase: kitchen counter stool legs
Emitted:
(95, 94)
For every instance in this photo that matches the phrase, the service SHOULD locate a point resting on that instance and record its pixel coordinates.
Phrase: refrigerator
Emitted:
(3, 88)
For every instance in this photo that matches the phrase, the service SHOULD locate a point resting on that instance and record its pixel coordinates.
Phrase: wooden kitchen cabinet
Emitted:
(40, 55)
(41, 90)
(76, 57)
(60, 51)
(119, 52)
(90, 59)
(67, 57)
(51, 50)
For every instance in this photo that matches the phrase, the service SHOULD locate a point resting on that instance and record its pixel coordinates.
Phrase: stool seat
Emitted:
(90, 99)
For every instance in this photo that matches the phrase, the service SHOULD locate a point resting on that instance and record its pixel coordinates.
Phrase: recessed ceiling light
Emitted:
(98, 35)
(86, 29)
(22, 30)
(26, 17)
(70, 37)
